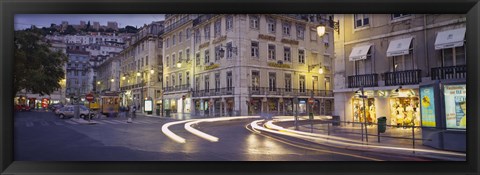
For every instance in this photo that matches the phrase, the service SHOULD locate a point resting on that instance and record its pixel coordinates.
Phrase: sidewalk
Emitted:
(175, 116)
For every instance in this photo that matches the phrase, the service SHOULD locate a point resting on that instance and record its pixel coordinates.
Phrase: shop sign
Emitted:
(370, 94)
(148, 106)
(455, 106)
(427, 106)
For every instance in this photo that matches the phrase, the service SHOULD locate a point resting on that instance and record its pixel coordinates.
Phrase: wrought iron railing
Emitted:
(289, 92)
(367, 80)
(403, 77)
(214, 92)
(450, 72)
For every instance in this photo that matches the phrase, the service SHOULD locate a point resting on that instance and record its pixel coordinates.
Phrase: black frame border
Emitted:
(10, 7)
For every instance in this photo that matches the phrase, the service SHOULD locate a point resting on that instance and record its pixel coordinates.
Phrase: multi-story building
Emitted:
(246, 64)
(108, 74)
(112, 25)
(78, 74)
(141, 67)
(391, 58)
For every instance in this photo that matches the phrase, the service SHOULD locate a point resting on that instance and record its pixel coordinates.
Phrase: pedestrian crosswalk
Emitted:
(67, 122)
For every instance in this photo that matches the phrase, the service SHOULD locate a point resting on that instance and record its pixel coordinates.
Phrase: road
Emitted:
(41, 136)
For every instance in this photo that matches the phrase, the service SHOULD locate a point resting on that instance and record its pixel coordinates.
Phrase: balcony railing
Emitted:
(367, 80)
(177, 88)
(214, 92)
(450, 72)
(403, 77)
(289, 92)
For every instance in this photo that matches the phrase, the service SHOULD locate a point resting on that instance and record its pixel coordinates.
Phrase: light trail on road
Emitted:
(172, 135)
(254, 125)
(189, 128)
(272, 128)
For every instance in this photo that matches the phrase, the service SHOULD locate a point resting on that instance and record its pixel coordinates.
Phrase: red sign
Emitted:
(89, 97)
(311, 100)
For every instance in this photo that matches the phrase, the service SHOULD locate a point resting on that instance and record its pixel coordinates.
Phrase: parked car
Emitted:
(55, 106)
(68, 111)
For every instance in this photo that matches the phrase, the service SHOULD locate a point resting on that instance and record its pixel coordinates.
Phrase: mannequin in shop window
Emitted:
(417, 115)
(355, 113)
(400, 113)
(372, 112)
(409, 119)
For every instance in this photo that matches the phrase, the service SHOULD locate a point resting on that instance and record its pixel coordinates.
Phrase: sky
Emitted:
(23, 21)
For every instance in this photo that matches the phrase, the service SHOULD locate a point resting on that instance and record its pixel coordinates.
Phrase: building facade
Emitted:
(224, 65)
(141, 68)
(391, 58)
(78, 74)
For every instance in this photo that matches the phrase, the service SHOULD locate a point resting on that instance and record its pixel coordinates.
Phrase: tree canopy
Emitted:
(38, 69)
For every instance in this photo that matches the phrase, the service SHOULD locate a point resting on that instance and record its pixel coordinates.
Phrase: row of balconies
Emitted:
(409, 77)
(184, 87)
(289, 92)
(214, 92)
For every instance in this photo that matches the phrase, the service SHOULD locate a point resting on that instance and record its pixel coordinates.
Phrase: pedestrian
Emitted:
(134, 109)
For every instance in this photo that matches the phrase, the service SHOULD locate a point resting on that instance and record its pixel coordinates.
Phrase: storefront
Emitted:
(405, 108)
(358, 110)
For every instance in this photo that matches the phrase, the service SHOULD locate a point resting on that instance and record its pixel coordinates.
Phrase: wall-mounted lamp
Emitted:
(112, 80)
(123, 78)
(311, 67)
(398, 89)
(98, 82)
(152, 71)
(138, 74)
(179, 64)
(229, 48)
(333, 24)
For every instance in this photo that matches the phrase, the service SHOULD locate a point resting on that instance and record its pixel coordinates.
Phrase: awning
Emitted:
(450, 38)
(359, 52)
(399, 47)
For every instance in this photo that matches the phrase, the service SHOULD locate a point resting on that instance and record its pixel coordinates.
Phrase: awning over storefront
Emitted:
(359, 52)
(450, 38)
(399, 47)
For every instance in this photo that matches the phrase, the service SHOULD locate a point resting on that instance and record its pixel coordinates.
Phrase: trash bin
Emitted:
(167, 112)
(158, 112)
(335, 120)
(382, 124)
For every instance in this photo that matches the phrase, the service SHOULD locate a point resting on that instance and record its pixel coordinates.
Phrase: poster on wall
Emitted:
(427, 106)
(148, 105)
(456, 106)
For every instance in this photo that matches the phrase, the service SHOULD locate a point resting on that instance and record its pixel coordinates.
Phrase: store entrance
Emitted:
(405, 111)
(359, 111)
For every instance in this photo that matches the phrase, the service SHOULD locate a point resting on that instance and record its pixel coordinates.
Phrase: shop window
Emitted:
(405, 111)
(359, 112)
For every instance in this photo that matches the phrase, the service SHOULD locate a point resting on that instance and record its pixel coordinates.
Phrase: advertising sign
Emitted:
(456, 106)
(427, 106)
(148, 106)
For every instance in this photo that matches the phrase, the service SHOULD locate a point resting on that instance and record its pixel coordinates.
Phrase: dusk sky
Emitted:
(23, 21)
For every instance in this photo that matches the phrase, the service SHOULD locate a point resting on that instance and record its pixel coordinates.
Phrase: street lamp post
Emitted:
(364, 113)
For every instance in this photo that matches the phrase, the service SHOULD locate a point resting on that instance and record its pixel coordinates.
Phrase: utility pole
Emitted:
(364, 113)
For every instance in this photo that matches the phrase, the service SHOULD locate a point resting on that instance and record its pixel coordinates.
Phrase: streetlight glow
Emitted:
(320, 71)
(138, 74)
(152, 71)
(123, 78)
(320, 30)
(98, 82)
(179, 65)
(112, 80)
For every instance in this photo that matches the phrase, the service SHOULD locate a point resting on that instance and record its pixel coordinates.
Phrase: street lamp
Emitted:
(311, 67)
(112, 80)
(333, 24)
(152, 71)
(364, 112)
(179, 64)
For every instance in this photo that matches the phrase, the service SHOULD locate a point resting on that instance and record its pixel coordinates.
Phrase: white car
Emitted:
(68, 111)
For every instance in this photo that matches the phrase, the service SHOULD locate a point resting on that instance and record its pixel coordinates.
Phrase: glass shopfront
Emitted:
(405, 111)
(358, 110)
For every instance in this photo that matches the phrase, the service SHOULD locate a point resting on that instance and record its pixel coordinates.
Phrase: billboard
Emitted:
(148, 105)
(455, 106)
(427, 106)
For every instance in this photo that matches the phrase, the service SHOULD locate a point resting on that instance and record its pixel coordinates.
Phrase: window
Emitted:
(206, 31)
(167, 82)
(453, 56)
(173, 60)
(187, 76)
(255, 79)
(301, 56)
(187, 33)
(207, 57)
(272, 25)
(76, 73)
(180, 35)
(180, 79)
(217, 53)
(146, 60)
(302, 83)
(272, 81)
(197, 59)
(271, 51)
(173, 80)
(229, 81)
(207, 83)
(167, 44)
(173, 40)
(197, 36)
(83, 73)
(361, 20)
(286, 28)
(254, 21)
(217, 28)
(167, 59)
(143, 46)
(254, 49)
(229, 50)
(315, 83)
(398, 16)
(300, 32)
(286, 54)
(187, 54)
(197, 83)
(288, 82)
(180, 56)
(217, 82)
(229, 21)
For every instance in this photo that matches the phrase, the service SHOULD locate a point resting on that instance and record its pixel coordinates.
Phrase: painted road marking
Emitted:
(71, 122)
(44, 123)
(58, 123)
(29, 124)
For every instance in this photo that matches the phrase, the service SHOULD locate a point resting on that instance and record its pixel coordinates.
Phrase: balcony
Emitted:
(214, 92)
(289, 92)
(451, 72)
(367, 80)
(184, 87)
(403, 77)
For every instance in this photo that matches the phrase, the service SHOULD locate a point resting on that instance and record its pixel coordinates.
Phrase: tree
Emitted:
(131, 29)
(37, 68)
(70, 30)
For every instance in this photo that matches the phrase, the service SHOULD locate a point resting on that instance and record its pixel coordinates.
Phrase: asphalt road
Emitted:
(41, 136)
